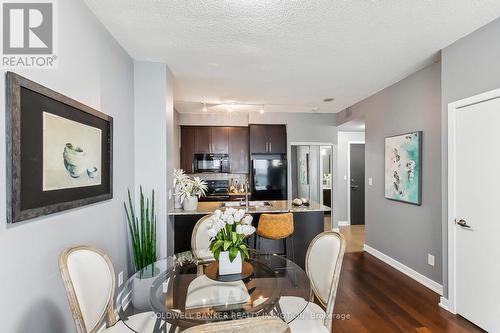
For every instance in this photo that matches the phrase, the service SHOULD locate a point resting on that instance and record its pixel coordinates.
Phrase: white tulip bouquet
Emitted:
(227, 230)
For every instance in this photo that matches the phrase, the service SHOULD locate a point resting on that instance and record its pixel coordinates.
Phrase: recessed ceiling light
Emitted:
(315, 109)
(261, 109)
(204, 107)
(329, 99)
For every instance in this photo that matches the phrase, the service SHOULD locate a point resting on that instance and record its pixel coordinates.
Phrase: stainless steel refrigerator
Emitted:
(269, 179)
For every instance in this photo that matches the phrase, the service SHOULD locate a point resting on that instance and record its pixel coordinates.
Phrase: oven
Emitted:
(217, 190)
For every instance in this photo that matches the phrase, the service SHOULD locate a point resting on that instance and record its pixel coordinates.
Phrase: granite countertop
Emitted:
(279, 206)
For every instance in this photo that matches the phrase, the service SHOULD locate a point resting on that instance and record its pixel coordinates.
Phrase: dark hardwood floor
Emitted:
(378, 298)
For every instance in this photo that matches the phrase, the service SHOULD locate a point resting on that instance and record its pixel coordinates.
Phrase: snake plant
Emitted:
(142, 230)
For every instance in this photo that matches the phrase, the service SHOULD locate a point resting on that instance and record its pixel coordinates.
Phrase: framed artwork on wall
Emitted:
(59, 151)
(403, 168)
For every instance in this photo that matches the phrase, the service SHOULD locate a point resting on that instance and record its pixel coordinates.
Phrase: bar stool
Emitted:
(276, 227)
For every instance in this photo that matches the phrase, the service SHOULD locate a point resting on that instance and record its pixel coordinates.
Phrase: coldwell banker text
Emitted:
(28, 34)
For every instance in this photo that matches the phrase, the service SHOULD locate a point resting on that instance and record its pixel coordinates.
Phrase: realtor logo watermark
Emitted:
(28, 34)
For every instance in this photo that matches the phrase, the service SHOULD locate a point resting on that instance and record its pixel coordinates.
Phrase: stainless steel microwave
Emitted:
(211, 163)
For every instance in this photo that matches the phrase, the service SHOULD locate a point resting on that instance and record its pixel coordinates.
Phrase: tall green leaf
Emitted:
(142, 230)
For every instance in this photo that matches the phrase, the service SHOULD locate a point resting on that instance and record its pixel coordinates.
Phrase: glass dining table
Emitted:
(175, 293)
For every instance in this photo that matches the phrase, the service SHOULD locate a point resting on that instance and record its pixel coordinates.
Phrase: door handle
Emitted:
(270, 147)
(462, 223)
(354, 187)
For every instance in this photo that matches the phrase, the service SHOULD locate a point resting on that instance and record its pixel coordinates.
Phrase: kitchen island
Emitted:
(308, 222)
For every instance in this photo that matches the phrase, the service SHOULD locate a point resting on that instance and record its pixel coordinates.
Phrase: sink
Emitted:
(231, 204)
(250, 204)
(258, 203)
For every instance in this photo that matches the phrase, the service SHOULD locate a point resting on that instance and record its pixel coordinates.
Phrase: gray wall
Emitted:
(342, 181)
(95, 70)
(405, 232)
(470, 66)
(155, 140)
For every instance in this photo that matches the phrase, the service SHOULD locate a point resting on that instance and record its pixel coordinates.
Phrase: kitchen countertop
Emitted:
(279, 206)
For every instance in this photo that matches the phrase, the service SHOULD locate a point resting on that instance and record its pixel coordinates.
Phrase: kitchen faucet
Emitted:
(246, 194)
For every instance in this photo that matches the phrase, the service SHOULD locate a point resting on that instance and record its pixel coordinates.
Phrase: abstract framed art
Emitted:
(403, 168)
(59, 151)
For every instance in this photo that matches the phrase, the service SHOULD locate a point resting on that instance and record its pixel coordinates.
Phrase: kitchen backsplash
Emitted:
(241, 178)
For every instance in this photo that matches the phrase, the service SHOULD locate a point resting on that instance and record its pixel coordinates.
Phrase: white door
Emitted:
(477, 204)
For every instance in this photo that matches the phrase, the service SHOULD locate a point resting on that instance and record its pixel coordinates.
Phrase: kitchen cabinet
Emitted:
(239, 153)
(265, 139)
(258, 139)
(211, 140)
(220, 140)
(187, 148)
(202, 140)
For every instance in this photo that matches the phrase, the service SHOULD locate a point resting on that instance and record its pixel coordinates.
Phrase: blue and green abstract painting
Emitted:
(403, 167)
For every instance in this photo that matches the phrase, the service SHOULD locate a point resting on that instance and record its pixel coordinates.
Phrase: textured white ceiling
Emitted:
(289, 53)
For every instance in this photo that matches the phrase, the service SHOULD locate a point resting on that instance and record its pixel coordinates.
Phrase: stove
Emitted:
(218, 190)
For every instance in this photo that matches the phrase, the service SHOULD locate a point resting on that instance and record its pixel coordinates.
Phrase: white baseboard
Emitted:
(432, 285)
(445, 304)
(344, 223)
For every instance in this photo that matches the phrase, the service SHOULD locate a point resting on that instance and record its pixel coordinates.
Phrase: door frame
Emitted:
(332, 166)
(349, 143)
(450, 303)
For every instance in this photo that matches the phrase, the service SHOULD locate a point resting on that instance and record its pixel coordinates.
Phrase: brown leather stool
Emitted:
(276, 227)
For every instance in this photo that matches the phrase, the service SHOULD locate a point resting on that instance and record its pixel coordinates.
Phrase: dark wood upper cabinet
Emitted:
(238, 142)
(211, 140)
(276, 135)
(187, 148)
(220, 140)
(258, 139)
(202, 140)
(239, 154)
(265, 139)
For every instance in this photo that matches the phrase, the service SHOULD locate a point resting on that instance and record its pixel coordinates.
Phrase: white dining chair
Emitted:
(264, 324)
(89, 280)
(323, 264)
(200, 240)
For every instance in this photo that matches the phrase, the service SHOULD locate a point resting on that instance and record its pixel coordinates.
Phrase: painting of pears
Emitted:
(71, 153)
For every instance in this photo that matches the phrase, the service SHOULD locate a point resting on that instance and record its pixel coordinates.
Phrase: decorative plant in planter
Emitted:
(190, 190)
(142, 230)
(180, 178)
(227, 231)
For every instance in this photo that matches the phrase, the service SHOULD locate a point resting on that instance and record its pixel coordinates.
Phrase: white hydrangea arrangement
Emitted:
(227, 231)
